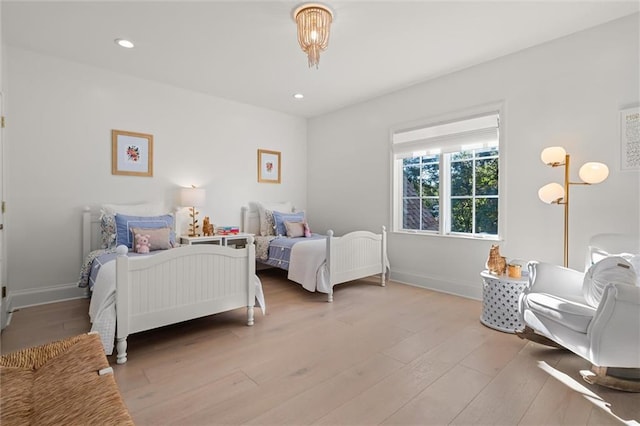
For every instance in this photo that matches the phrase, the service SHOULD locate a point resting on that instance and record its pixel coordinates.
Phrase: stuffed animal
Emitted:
(207, 227)
(142, 243)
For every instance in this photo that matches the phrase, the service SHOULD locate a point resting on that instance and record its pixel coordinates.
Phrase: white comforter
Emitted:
(307, 265)
(102, 309)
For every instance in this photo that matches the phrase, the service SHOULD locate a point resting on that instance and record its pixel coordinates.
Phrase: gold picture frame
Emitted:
(131, 153)
(269, 166)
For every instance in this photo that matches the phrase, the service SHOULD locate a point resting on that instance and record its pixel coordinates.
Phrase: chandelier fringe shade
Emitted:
(314, 22)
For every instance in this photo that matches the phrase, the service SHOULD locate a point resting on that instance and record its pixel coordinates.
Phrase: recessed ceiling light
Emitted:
(124, 43)
(298, 96)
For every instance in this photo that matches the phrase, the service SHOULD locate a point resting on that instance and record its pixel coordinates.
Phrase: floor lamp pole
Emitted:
(567, 184)
(590, 173)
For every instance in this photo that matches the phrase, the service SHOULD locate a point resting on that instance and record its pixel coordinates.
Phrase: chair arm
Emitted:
(614, 332)
(553, 279)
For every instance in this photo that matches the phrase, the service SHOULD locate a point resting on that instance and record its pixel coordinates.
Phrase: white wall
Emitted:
(567, 92)
(59, 159)
(3, 304)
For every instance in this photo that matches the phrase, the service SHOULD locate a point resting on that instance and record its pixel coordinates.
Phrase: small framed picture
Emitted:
(269, 170)
(131, 153)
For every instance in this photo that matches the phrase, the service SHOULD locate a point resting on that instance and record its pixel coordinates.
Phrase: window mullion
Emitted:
(445, 194)
(473, 193)
(421, 191)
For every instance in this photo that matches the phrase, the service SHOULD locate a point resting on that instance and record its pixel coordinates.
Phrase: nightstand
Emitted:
(209, 239)
(500, 294)
(236, 240)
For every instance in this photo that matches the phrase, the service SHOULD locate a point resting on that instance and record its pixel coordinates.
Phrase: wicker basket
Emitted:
(59, 384)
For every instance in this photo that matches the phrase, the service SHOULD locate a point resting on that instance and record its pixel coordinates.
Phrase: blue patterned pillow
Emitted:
(124, 224)
(280, 218)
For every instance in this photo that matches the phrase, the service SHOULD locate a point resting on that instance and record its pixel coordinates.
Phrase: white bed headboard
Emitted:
(91, 228)
(250, 220)
(90, 231)
(251, 215)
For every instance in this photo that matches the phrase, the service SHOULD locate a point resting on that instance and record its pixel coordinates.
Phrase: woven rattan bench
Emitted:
(68, 382)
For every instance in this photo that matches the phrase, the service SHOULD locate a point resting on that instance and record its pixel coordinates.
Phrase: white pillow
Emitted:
(285, 207)
(144, 209)
(634, 260)
(610, 270)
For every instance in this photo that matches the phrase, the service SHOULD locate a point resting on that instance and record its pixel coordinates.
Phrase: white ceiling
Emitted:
(247, 50)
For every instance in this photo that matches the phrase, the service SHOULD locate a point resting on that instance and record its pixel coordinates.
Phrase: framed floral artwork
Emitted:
(269, 170)
(630, 138)
(131, 153)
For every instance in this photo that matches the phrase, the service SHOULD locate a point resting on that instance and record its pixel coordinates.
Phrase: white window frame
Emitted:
(396, 215)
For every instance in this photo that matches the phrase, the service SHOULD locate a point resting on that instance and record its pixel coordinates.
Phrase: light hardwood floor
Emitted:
(397, 355)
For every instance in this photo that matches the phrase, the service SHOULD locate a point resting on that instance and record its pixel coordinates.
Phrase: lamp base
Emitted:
(193, 226)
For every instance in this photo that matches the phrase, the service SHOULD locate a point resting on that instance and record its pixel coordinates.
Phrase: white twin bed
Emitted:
(133, 294)
(318, 264)
(187, 282)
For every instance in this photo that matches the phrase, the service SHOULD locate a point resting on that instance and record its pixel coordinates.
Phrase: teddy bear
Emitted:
(142, 243)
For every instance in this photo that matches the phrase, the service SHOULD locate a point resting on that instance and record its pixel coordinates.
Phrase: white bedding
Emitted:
(357, 255)
(102, 308)
(307, 265)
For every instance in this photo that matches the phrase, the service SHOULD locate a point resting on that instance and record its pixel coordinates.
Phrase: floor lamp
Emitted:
(553, 193)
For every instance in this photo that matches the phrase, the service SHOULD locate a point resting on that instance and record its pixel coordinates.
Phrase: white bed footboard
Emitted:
(181, 284)
(356, 255)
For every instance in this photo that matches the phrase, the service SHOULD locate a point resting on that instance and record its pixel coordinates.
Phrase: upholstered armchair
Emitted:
(595, 314)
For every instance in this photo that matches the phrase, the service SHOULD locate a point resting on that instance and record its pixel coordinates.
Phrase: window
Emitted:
(446, 178)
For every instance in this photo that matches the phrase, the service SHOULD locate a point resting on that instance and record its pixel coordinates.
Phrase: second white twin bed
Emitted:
(316, 262)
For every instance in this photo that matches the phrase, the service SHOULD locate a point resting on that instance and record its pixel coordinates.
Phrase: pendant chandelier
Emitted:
(313, 21)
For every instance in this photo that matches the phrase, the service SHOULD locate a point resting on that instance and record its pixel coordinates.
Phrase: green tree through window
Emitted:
(421, 182)
(455, 188)
(474, 191)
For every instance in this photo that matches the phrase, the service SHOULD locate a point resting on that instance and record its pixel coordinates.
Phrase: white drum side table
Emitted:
(500, 294)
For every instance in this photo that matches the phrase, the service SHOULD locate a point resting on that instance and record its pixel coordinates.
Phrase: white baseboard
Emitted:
(58, 293)
(44, 295)
(470, 290)
(5, 316)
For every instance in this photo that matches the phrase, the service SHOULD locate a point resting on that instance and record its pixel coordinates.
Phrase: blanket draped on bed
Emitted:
(307, 265)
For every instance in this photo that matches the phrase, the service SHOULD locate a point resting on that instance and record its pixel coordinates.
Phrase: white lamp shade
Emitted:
(551, 192)
(593, 172)
(192, 197)
(553, 155)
